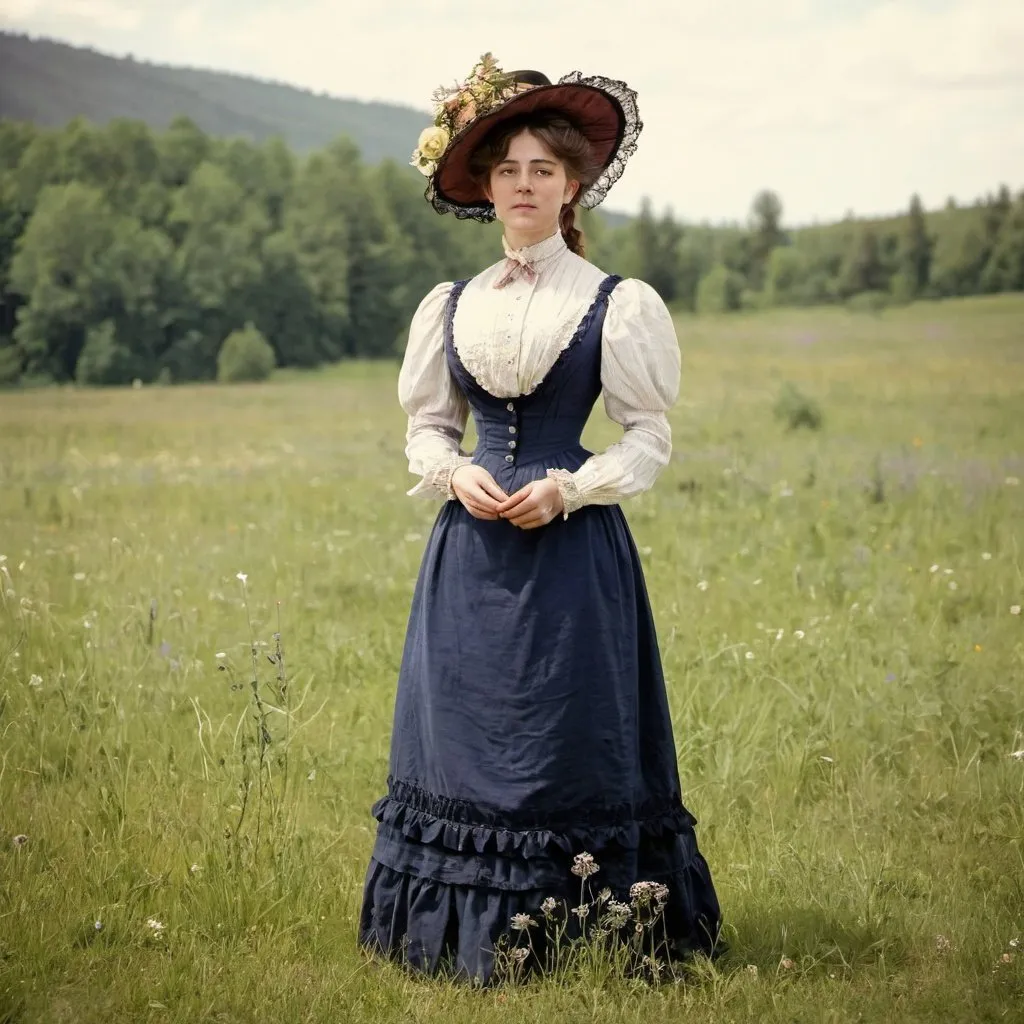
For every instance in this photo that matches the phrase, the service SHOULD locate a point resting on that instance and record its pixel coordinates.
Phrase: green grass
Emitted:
(845, 713)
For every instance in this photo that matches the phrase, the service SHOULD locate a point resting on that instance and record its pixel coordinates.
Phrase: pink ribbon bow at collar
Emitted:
(516, 265)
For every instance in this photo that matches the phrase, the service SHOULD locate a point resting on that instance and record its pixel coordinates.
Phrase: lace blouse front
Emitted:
(509, 337)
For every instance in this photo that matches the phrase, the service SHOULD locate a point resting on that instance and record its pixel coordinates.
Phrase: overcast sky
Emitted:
(836, 104)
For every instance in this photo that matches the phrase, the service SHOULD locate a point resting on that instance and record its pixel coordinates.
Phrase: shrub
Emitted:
(868, 302)
(796, 409)
(103, 360)
(245, 356)
(718, 291)
(10, 365)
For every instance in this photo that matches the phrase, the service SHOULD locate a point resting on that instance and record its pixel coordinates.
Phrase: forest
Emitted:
(128, 253)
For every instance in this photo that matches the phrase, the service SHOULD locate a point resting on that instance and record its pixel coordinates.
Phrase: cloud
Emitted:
(836, 106)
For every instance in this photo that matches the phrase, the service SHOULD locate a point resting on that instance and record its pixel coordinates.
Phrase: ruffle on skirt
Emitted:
(441, 893)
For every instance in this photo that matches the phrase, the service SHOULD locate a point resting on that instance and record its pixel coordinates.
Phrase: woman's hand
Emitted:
(477, 491)
(534, 505)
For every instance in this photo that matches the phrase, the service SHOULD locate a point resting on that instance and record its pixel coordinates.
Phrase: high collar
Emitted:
(539, 253)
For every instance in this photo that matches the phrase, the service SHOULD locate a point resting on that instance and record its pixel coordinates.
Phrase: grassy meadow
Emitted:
(839, 612)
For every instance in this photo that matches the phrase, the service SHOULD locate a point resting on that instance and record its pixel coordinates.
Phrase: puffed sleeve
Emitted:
(640, 379)
(436, 407)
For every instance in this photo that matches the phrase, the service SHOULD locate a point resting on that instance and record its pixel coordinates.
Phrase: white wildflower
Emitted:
(521, 922)
(79, 576)
(752, 969)
(749, 655)
(1018, 755)
(942, 944)
(155, 926)
(616, 914)
(20, 840)
(986, 556)
(98, 925)
(1011, 481)
(243, 576)
(934, 568)
(827, 759)
(520, 954)
(584, 865)
(1015, 609)
(952, 585)
(780, 634)
(652, 964)
(35, 681)
(643, 894)
(194, 869)
(703, 585)
(582, 911)
(548, 906)
(786, 964)
(799, 634)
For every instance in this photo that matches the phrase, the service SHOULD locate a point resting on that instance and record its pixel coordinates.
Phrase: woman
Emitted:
(531, 722)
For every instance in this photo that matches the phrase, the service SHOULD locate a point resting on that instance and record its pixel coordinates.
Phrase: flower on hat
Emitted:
(486, 87)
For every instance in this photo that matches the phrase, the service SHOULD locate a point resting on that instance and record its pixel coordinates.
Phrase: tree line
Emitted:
(132, 254)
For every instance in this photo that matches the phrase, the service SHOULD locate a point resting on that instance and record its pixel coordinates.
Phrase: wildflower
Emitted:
(653, 965)
(703, 585)
(35, 681)
(520, 954)
(827, 759)
(780, 634)
(1006, 958)
(616, 914)
(1014, 943)
(195, 869)
(986, 556)
(548, 906)
(749, 655)
(786, 964)
(582, 911)
(752, 969)
(584, 865)
(799, 634)
(934, 568)
(604, 895)
(155, 926)
(952, 585)
(1015, 609)
(79, 576)
(20, 840)
(220, 655)
(1011, 481)
(942, 944)
(643, 894)
(1018, 755)
(521, 922)
(243, 576)
(98, 926)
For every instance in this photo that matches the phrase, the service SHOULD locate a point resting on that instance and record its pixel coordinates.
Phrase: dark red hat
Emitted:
(604, 110)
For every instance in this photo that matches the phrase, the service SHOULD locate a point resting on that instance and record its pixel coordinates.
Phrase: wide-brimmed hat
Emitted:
(603, 109)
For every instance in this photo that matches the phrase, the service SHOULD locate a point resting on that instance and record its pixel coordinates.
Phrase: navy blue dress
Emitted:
(531, 720)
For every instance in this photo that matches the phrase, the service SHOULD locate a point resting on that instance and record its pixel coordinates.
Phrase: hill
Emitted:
(48, 83)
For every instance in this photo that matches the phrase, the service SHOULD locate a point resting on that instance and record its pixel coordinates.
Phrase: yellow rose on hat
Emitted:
(433, 142)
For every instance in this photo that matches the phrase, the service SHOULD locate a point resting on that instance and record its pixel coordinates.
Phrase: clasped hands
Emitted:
(531, 506)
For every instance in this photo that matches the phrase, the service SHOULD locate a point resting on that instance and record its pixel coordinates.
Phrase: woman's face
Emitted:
(528, 189)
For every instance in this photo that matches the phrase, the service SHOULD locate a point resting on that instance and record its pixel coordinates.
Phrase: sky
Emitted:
(837, 105)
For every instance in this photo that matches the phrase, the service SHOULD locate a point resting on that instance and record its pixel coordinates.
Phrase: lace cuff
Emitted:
(457, 462)
(437, 481)
(572, 497)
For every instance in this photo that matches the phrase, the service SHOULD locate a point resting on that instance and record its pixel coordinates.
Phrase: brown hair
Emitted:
(568, 144)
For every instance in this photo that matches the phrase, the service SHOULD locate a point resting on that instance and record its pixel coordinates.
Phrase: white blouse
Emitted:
(509, 338)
